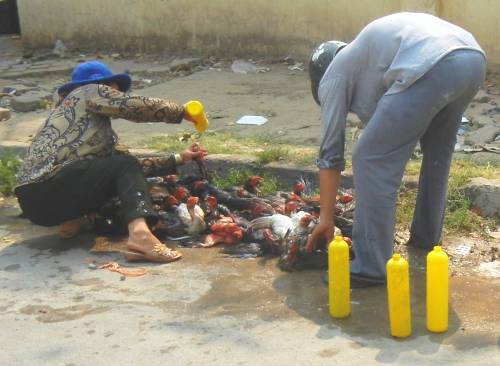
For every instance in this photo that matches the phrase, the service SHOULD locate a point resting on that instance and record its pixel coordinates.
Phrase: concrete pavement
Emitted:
(211, 310)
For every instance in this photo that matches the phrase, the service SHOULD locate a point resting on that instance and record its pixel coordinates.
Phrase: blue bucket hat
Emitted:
(95, 72)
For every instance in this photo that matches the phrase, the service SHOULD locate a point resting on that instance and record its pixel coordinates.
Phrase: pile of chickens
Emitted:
(196, 213)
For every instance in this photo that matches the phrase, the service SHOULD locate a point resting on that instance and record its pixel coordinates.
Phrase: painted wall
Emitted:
(481, 18)
(232, 27)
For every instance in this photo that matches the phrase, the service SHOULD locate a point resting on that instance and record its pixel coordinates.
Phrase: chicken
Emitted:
(192, 216)
(295, 240)
(299, 187)
(170, 203)
(181, 193)
(169, 224)
(252, 184)
(224, 231)
(279, 224)
(213, 210)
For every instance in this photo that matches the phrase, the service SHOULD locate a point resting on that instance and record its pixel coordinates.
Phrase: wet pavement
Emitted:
(213, 310)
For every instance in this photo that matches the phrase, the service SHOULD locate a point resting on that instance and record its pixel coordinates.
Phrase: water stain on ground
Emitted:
(241, 294)
(48, 314)
(64, 269)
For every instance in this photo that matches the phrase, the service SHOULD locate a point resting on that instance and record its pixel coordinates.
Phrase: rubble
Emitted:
(484, 195)
(184, 64)
(484, 99)
(60, 49)
(4, 114)
(243, 67)
(30, 101)
(18, 89)
(483, 135)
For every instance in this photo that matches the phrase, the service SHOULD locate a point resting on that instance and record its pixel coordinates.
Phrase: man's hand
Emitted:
(323, 229)
(193, 152)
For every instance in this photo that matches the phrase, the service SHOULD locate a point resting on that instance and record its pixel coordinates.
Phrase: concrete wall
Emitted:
(232, 27)
(481, 18)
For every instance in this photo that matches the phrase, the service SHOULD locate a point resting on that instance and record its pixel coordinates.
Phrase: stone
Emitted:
(485, 99)
(484, 195)
(4, 114)
(483, 135)
(187, 63)
(19, 89)
(243, 67)
(30, 101)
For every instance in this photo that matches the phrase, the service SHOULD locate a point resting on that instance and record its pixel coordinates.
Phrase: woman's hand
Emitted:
(323, 229)
(193, 152)
(187, 116)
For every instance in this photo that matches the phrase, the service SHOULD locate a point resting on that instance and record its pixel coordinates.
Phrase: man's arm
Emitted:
(334, 95)
(102, 99)
(329, 181)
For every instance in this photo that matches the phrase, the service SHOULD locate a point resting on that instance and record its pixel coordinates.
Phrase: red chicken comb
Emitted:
(255, 180)
(180, 193)
(290, 206)
(191, 201)
(171, 200)
(306, 220)
(299, 187)
(212, 201)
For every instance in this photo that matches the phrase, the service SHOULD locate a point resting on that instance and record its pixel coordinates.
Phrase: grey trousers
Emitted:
(429, 111)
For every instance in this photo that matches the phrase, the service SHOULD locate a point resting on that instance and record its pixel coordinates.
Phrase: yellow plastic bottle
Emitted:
(195, 109)
(398, 293)
(437, 290)
(338, 276)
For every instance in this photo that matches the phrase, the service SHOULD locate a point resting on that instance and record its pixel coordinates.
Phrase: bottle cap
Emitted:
(396, 256)
(437, 248)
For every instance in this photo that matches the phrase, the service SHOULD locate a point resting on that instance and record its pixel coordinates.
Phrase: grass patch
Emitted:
(8, 168)
(458, 217)
(239, 177)
(273, 154)
(265, 150)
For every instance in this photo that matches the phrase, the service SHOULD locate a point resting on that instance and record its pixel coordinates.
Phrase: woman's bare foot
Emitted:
(144, 246)
(71, 228)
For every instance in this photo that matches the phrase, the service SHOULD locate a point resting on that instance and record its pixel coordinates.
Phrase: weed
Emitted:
(459, 216)
(238, 177)
(8, 168)
(271, 154)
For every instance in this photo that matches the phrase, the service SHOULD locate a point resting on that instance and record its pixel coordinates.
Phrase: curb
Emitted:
(222, 164)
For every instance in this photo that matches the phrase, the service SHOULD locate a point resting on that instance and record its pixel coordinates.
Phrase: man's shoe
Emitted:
(417, 244)
(359, 281)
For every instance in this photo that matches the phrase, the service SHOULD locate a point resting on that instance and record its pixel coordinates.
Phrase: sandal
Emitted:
(160, 253)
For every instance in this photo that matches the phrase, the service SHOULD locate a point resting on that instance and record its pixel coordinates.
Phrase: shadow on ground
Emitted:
(368, 323)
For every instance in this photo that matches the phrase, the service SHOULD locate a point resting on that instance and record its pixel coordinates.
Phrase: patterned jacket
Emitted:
(80, 128)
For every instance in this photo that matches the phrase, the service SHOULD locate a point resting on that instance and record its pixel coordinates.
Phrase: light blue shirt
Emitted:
(388, 56)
